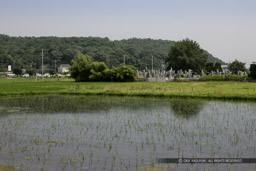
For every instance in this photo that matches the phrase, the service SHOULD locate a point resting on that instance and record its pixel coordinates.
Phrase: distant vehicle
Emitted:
(26, 75)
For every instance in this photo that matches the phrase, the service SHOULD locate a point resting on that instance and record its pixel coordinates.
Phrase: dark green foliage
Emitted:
(31, 71)
(124, 73)
(99, 72)
(80, 69)
(218, 66)
(26, 51)
(209, 66)
(84, 70)
(253, 71)
(236, 66)
(3, 69)
(223, 78)
(186, 54)
(5, 59)
(211, 58)
(52, 72)
(17, 71)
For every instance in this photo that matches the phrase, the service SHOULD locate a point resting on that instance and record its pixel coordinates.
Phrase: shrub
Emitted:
(99, 72)
(236, 66)
(31, 71)
(253, 71)
(123, 73)
(80, 69)
(83, 69)
(223, 78)
(52, 72)
(17, 71)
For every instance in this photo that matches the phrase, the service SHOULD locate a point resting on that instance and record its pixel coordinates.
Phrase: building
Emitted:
(64, 68)
(45, 69)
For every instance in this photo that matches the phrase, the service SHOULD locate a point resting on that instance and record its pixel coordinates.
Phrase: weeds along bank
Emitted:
(200, 89)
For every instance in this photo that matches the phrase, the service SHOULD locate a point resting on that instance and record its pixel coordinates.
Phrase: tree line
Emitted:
(25, 52)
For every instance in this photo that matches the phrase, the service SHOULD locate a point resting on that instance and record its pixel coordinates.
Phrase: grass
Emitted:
(210, 89)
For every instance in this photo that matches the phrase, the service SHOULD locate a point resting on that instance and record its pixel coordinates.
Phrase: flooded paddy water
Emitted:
(123, 133)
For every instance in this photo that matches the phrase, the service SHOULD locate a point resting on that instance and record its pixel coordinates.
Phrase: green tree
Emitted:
(236, 66)
(124, 73)
(209, 66)
(217, 66)
(99, 72)
(17, 71)
(52, 72)
(31, 71)
(186, 54)
(27, 51)
(253, 71)
(80, 69)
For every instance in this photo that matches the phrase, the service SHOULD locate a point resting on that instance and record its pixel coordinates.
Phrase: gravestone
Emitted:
(202, 73)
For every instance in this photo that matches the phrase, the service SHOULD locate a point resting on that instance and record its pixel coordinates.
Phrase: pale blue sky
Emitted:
(226, 28)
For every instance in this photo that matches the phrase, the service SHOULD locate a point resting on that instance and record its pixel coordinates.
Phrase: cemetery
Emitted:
(179, 75)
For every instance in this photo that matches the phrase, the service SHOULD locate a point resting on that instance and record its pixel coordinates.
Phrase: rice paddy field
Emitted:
(54, 132)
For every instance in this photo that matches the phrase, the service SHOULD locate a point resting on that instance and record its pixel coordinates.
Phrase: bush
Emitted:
(253, 71)
(17, 71)
(83, 69)
(236, 66)
(99, 72)
(124, 73)
(52, 72)
(80, 68)
(31, 71)
(223, 78)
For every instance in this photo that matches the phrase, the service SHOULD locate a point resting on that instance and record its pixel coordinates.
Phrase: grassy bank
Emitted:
(211, 89)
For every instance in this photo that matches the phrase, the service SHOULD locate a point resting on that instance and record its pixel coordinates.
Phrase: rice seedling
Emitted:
(123, 133)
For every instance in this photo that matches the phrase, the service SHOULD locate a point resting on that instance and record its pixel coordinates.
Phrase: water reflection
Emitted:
(54, 104)
(186, 108)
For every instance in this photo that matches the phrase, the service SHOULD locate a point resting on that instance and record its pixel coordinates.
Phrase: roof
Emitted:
(64, 65)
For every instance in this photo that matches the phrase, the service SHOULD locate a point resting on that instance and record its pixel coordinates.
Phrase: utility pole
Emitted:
(55, 65)
(42, 63)
(152, 62)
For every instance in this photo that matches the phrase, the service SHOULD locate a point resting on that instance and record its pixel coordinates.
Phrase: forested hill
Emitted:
(26, 51)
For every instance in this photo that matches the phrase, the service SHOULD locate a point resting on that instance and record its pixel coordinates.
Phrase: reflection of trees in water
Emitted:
(69, 104)
(56, 104)
(92, 104)
(186, 108)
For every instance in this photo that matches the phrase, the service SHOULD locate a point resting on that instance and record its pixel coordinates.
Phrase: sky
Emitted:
(225, 28)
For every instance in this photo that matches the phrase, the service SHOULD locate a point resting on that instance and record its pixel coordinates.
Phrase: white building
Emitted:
(63, 68)
(9, 68)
